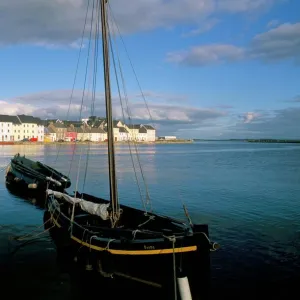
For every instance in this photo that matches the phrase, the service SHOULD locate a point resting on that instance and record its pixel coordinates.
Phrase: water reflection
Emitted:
(28, 195)
(35, 151)
(249, 198)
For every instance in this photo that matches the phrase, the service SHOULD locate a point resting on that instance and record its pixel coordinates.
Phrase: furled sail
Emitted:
(88, 206)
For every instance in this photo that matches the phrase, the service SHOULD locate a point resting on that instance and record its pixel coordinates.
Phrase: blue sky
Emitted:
(208, 68)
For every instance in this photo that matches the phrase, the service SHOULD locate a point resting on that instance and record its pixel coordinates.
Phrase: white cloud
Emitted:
(250, 117)
(7, 108)
(294, 100)
(245, 5)
(206, 26)
(55, 104)
(279, 43)
(272, 23)
(297, 99)
(169, 118)
(162, 97)
(60, 22)
(206, 54)
(283, 123)
(282, 42)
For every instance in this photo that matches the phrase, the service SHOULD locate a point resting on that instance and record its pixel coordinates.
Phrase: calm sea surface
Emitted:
(248, 193)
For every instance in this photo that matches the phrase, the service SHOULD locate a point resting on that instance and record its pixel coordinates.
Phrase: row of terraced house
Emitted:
(23, 127)
(96, 131)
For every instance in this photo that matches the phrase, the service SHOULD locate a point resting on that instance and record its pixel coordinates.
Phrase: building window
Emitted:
(18, 137)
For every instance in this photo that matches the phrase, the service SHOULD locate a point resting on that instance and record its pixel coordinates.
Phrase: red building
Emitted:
(71, 135)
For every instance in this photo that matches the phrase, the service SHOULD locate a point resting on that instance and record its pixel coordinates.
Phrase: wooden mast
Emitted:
(110, 135)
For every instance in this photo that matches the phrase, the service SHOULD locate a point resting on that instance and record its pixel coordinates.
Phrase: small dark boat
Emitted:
(25, 174)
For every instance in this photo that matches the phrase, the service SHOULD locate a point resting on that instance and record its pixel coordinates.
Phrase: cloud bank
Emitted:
(169, 116)
(207, 54)
(60, 22)
(282, 42)
(282, 123)
(167, 111)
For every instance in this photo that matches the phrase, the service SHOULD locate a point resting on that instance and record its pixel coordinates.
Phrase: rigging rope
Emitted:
(122, 109)
(145, 101)
(95, 69)
(73, 87)
(84, 85)
(143, 96)
(146, 104)
(130, 121)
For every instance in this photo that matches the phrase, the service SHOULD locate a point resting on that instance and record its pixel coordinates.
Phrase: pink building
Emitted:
(71, 135)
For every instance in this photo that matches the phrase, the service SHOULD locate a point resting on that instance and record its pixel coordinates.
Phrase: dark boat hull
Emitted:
(149, 261)
(32, 196)
(30, 176)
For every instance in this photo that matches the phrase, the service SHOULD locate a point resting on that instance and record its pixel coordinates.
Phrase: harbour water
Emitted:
(248, 193)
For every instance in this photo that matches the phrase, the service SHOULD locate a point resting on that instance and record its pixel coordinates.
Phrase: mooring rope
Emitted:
(29, 235)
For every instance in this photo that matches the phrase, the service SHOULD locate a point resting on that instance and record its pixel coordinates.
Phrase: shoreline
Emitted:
(257, 141)
(172, 142)
(96, 143)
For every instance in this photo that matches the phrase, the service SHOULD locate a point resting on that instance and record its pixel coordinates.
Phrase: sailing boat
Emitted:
(121, 241)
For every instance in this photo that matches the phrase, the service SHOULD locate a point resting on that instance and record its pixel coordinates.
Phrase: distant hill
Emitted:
(251, 140)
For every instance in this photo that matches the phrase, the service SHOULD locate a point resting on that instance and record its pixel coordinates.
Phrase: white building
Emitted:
(51, 134)
(116, 130)
(17, 128)
(7, 127)
(133, 131)
(151, 133)
(29, 127)
(167, 137)
(91, 134)
(142, 133)
(123, 134)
